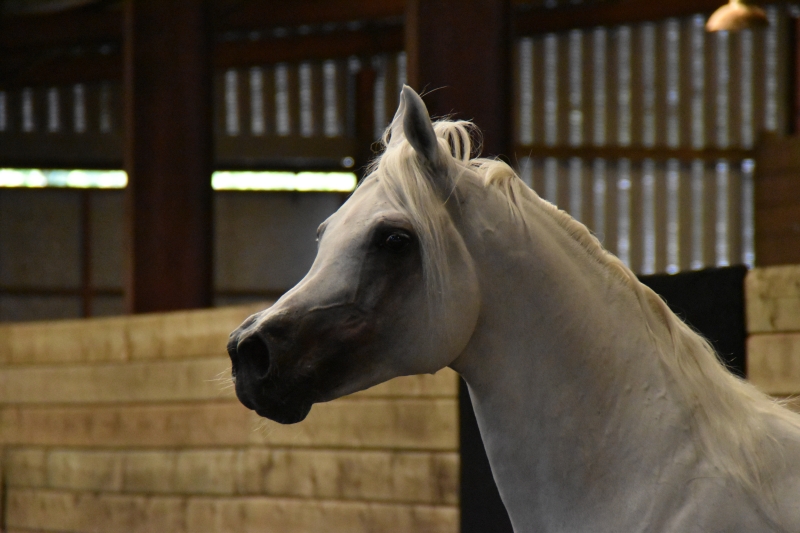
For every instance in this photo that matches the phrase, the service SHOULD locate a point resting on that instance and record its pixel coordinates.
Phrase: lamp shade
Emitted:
(737, 15)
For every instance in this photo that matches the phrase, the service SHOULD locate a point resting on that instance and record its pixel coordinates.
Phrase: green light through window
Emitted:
(220, 180)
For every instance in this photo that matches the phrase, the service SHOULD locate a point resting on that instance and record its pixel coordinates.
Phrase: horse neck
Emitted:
(565, 380)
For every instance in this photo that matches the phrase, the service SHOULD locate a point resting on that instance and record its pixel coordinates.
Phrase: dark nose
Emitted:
(251, 356)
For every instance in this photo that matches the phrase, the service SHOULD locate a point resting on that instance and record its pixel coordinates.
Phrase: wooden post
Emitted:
(168, 155)
(459, 51)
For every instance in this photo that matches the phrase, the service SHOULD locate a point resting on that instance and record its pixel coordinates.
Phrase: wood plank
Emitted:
(773, 363)
(163, 381)
(63, 150)
(776, 154)
(776, 199)
(634, 153)
(423, 424)
(265, 515)
(772, 297)
(777, 231)
(174, 335)
(70, 28)
(95, 513)
(375, 476)
(59, 67)
(199, 379)
(24, 467)
(275, 152)
(779, 188)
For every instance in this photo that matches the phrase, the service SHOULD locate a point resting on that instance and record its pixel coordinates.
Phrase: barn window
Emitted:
(645, 132)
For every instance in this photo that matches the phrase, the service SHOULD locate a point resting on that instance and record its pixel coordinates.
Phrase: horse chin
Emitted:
(284, 407)
(285, 414)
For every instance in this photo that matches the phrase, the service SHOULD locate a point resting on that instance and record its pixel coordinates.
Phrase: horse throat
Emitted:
(575, 410)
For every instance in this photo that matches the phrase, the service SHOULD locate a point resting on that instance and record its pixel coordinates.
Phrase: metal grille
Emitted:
(666, 86)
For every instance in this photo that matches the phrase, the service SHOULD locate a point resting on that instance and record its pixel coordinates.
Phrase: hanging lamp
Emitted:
(737, 15)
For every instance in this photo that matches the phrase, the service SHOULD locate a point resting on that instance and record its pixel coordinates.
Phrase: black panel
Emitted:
(482, 511)
(711, 301)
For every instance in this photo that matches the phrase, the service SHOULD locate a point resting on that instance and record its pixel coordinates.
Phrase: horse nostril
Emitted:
(252, 352)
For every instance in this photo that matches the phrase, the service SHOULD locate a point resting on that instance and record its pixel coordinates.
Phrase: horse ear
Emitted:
(397, 123)
(417, 125)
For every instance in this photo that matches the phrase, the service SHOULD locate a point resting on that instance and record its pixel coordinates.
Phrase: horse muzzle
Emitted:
(254, 369)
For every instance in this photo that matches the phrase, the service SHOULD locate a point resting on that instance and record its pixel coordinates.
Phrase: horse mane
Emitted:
(727, 413)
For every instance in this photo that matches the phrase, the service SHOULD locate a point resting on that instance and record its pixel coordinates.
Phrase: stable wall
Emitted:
(129, 424)
(125, 424)
(58, 245)
(773, 324)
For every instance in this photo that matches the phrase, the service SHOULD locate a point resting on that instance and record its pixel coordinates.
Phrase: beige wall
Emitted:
(773, 324)
(264, 243)
(129, 424)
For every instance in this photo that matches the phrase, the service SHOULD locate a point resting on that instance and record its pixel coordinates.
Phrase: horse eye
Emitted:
(397, 241)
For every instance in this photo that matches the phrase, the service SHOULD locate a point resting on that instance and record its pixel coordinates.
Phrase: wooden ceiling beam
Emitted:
(64, 29)
(85, 27)
(41, 68)
(308, 47)
(37, 68)
(259, 14)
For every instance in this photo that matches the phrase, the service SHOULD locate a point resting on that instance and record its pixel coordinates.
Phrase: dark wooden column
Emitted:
(460, 50)
(168, 155)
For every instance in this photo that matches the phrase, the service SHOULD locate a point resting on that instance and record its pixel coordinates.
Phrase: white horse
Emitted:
(599, 409)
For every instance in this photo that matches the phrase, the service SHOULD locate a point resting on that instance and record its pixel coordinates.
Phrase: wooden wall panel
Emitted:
(773, 299)
(429, 424)
(772, 296)
(177, 335)
(92, 512)
(777, 201)
(774, 362)
(119, 424)
(373, 475)
(200, 379)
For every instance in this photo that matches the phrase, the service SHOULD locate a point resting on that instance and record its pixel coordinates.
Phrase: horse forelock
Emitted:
(410, 186)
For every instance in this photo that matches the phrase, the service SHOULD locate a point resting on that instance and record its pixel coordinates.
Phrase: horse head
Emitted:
(392, 291)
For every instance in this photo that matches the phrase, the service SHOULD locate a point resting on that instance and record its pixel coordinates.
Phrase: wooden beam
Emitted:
(275, 152)
(83, 27)
(168, 155)
(60, 67)
(89, 150)
(309, 47)
(777, 201)
(459, 52)
(540, 20)
(260, 14)
(70, 28)
(636, 153)
(57, 67)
